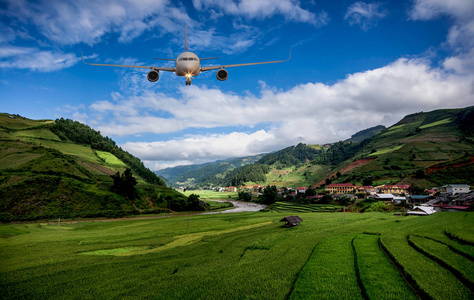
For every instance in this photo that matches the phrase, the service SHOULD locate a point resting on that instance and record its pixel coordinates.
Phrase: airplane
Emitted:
(188, 64)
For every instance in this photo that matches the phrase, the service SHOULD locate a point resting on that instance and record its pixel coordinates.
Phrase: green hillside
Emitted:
(61, 168)
(424, 149)
(205, 175)
(407, 151)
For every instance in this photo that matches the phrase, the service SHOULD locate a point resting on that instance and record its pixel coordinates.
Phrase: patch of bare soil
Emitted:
(443, 166)
(350, 167)
(98, 169)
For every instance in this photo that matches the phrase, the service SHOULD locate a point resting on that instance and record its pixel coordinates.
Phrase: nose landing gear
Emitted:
(188, 79)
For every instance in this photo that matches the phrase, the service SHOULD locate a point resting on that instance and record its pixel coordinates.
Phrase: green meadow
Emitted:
(242, 256)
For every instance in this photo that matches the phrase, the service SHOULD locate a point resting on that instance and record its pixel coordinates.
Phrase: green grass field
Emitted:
(212, 195)
(236, 256)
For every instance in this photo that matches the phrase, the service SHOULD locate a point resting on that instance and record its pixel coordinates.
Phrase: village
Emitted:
(450, 197)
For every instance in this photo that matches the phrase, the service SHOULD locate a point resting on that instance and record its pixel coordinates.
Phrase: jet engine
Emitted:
(222, 75)
(153, 76)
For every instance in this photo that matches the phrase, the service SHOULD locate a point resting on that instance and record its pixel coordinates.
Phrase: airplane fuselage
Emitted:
(187, 64)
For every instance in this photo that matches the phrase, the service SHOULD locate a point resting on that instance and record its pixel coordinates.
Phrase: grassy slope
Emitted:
(246, 255)
(43, 177)
(417, 142)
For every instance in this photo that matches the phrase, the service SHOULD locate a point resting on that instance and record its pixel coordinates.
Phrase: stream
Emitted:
(239, 206)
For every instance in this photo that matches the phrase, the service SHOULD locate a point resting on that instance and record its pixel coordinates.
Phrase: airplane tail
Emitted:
(185, 38)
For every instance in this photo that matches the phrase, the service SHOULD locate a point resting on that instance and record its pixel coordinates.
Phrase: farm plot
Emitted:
(376, 271)
(233, 256)
(415, 264)
(329, 273)
(296, 207)
(460, 266)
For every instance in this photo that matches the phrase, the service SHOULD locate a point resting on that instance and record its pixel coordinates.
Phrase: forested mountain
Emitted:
(208, 174)
(365, 134)
(62, 168)
(425, 143)
(292, 156)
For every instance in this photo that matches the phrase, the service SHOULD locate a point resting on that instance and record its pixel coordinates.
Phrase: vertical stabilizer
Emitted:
(185, 38)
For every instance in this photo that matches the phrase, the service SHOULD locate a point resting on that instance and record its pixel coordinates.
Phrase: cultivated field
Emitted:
(245, 255)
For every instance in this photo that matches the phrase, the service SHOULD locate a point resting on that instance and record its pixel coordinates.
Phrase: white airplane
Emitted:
(187, 64)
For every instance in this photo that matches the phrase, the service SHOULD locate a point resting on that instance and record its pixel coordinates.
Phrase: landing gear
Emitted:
(188, 82)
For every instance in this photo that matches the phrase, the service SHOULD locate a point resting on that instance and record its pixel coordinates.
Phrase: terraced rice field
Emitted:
(295, 207)
(242, 256)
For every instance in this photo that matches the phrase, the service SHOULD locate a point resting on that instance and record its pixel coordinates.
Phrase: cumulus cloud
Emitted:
(70, 22)
(289, 9)
(461, 34)
(35, 59)
(308, 113)
(365, 15)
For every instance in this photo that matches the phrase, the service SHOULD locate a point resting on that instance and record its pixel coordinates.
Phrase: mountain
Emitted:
(205, 175)
(365, 134)
(62, 168)
(426, 148)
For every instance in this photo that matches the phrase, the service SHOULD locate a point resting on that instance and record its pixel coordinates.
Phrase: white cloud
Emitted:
(308, 113)
(365, 15)
(428, 9)
(289, 9)
(70, 22)
(35, 59)
(461, 34)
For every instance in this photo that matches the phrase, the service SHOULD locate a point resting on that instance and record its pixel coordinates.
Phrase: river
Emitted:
(239, 206)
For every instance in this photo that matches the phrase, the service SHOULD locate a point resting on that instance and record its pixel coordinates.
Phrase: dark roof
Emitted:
(292, 219)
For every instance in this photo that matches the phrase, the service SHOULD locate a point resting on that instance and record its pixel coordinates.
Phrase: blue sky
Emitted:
(355, 64)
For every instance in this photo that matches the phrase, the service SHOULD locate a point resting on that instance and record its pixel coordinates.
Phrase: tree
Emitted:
(125, 184)
(270, 195)
(326, 199)
(244, 196)
(310, 192)
(367, 181)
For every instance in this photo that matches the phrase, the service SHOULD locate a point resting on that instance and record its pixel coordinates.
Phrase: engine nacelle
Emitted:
(153, 76)
(222, 75)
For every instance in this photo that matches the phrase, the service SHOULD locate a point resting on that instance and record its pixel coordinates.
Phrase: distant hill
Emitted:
(204, 175)
(62, 168)
(365, 134)
(426, 149)
(408, 151)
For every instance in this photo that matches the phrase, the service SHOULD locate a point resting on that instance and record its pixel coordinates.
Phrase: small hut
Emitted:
(291, 221)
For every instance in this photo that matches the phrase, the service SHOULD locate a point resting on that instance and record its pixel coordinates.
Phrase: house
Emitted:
(365, 189)
(457, 188)
(394, 189)
(231, 189)
(301, 189)
(399, 199)
(340, 188)
(422, 211)
(291, 221)
(384, 197)
(418, 199)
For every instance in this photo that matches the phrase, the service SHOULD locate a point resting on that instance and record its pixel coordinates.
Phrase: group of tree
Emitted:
(291, 156)
(79, 133)
(253, 173)
(124, 184)
(339, 152)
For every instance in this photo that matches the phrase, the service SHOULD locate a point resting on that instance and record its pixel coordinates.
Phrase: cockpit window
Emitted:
(180, 59)
(185, 58)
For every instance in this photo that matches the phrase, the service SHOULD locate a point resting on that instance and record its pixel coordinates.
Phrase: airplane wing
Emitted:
(240, 65)
(127, 66)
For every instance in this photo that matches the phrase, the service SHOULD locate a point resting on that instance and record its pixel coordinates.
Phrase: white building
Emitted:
(422, 211)
(457, 188)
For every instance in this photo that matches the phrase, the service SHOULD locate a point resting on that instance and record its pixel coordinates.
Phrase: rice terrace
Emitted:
(242, 256)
